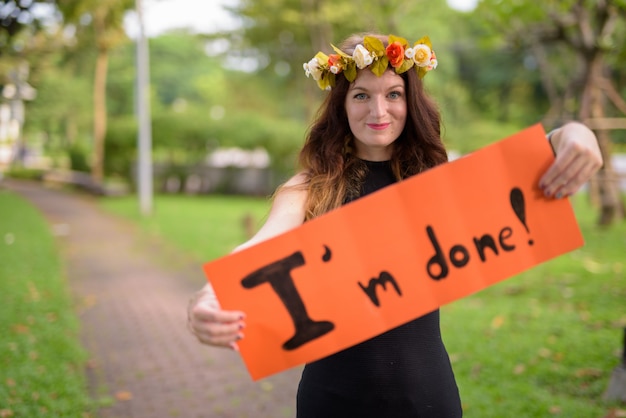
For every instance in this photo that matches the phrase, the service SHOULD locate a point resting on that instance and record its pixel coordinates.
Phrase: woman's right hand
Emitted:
(206, 320)
(210, 324)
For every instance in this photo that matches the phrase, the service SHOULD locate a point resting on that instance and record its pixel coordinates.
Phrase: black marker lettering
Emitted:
(486, 241)
(459, 255)
(382, 280)
(277, 274)
(504, 234)
(438, 258)
(463, 259)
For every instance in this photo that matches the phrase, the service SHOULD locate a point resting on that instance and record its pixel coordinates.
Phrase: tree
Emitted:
(587, 31)
(104, 18)
(15, 16)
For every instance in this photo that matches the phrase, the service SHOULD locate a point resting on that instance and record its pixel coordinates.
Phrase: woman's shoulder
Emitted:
(292, 194)
(287, 210)
(299, 181)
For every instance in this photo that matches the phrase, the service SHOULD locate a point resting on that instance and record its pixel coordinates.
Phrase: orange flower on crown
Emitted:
(395, 53)
(334, 63)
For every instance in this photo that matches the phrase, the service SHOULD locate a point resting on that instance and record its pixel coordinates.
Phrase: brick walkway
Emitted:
(131, 295)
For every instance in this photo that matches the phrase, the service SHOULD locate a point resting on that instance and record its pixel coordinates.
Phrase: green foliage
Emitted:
(207, 227)
(24, 173)
(282, 138)
(78, 158)
(255, 94)
(121, 146)
(553, 42)
(62, 109)
(198, 107)
(41, 359)
(121, 94)
(189, 129)
(181, 69)
(467, 138)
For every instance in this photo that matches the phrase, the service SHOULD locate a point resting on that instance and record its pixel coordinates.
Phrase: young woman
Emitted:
(376, 127)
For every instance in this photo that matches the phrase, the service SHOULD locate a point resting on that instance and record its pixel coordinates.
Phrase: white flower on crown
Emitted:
(362, 57)
(433, 64)
(313, 69)
(422, 55)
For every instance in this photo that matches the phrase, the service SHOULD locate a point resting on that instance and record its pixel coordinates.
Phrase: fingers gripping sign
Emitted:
(578, 157)
(210, 324)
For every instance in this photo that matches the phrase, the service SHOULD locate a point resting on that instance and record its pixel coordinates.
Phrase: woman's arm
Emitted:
(578, 158)
(206, 320)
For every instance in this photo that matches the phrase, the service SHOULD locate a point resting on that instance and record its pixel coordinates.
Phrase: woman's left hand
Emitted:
(578, 158)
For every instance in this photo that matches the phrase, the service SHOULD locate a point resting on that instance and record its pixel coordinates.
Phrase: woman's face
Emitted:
(376, 110)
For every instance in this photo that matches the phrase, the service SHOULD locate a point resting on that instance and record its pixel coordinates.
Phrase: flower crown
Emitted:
(373, 54)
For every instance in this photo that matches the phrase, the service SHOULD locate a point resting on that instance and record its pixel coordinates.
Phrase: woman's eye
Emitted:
(360, 96)
(395, 95)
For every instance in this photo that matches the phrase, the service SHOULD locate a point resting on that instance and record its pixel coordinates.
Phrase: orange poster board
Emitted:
(395, 255)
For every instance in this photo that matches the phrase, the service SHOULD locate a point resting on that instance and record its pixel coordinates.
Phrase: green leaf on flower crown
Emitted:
(374, 45)
(379, 66)
(421, 71)
(402, 41)
(406, 65)
(327, 81)
(424, 40)
(322, 59)
(349, 70)
(340, 52)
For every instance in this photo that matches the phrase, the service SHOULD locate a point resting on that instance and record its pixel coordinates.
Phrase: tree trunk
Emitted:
(592, 106)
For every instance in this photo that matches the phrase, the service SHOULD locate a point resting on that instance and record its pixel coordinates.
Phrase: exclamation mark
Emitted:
(519, 207)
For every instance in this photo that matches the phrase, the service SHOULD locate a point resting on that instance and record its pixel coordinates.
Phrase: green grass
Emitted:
(541, 344)
(41, 360)
(207, 227)
(545, 342)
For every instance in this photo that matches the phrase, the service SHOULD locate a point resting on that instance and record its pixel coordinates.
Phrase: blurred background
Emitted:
(228, 101)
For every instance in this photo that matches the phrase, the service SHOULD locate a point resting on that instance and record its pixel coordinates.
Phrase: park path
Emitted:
(131, 294)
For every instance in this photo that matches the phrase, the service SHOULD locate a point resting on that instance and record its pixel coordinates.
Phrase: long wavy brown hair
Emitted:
(333, 173)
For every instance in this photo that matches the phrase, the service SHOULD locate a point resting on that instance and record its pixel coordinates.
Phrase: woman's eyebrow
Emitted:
(395, 86)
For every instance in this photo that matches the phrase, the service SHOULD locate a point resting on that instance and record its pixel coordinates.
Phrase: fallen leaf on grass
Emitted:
(9, 238)
(616, 413)
(33, 292)
(6, 413)
(519, 369)
(594, 267)
(20, 329)
(555, 410)
(544, 352)
(497, 322)
(588, 372)
(619, 323)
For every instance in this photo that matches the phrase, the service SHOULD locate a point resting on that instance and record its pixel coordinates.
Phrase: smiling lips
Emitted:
(378, 126)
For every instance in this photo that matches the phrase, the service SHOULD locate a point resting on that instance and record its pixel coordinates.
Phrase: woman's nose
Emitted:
(378, 106)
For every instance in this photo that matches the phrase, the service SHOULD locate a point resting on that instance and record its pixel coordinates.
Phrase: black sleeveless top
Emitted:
(403, 373)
